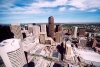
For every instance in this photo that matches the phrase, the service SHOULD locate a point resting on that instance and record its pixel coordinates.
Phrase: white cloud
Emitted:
(34, 8)
(72, 8)
(6, 3)
(37, 7)
(93, 10)
(50, 4)
(62, 9)
(84, 4)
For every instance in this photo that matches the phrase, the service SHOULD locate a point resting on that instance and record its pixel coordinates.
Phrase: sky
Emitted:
(38, 11)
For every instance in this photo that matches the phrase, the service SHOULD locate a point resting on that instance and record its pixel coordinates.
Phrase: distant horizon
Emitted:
(55, 23)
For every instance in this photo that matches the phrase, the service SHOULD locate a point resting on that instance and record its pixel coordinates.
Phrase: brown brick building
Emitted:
(82, 32)
(51, 27)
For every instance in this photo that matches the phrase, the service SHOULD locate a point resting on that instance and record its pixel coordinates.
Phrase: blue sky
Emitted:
(38, 11)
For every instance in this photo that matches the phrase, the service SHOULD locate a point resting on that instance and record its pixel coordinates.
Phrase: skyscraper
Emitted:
(69, 51)
(57, 37)
(51, 27)
(30, 28)
(43, 28)
(58, 28)
(74, 31)
(12, 53)
(36, 31)
(16, 30)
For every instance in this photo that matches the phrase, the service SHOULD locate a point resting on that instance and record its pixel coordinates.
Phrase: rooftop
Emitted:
(9, 42)
(90, 56)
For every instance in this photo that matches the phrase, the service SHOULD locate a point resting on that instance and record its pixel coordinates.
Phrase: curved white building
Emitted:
(12, 53)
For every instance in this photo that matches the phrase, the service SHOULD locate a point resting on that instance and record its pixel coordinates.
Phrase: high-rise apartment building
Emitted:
(51, 27)
(12, 53)
(74, 31)
(82, 32)
(57, 37)
(36, 31)
(16, 30)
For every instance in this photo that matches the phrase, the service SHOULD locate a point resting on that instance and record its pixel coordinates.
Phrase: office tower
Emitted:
(74, 32)
(26, 27)
(57, 37)
(43, 28)
(36, 31)
(42, 37)
(16, 30)
(82, 41)
(82, 32)
(51, 27)
(69, 51)
(12, 53)
(30, 28)
(94, 43)
(58, 28)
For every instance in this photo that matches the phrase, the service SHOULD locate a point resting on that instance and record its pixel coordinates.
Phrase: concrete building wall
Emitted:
(16, 30)
(74, 31)
(42, 38)
(82, 32)
(43, 28)
(82, 41)
(94, 43)
(36, 31)
(30, 28)
(12, 53)
(57, 37)
(58, 28)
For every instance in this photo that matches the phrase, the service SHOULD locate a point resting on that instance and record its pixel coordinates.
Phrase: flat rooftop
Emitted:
(9, 42)
(90, 56)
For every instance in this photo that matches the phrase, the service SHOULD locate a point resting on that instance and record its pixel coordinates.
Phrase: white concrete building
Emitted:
(12, 53)
(74, 31)
(69, 51)
(36, 31)
(43, 28)
(30, 28)
(16, 30)
(89, 56)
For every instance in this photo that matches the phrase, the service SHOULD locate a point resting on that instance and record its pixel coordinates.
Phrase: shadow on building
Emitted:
(57, 65)
(61, 50)
(5, 33)
(31, 64)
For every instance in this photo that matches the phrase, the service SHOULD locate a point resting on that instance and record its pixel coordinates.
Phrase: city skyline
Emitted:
(38, 11)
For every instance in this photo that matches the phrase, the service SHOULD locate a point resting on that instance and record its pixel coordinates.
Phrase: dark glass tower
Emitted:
(51, 27)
